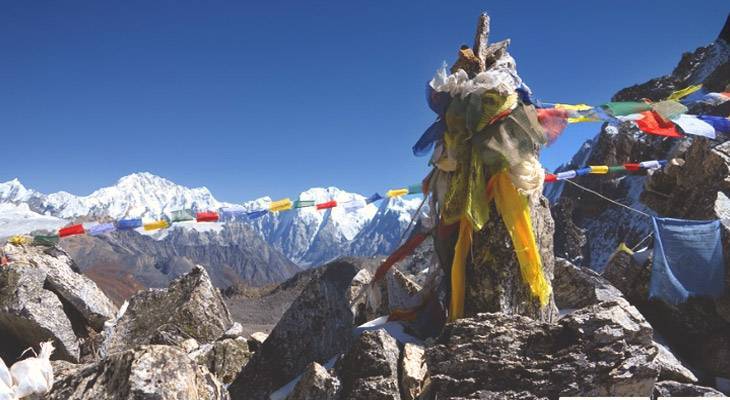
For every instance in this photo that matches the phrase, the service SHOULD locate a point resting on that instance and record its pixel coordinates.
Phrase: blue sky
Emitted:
(273, 97)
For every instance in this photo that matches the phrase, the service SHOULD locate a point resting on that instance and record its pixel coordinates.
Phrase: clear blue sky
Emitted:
(270, 98)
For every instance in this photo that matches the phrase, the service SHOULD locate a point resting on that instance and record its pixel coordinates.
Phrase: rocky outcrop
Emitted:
(670, 368)
(145, 373)
(316, 327)
(369, 371)
(413, 371)
(224, 358)
(629, 276)
(577, 287)
(676, 389)
(602, 350)
(42, 297)
(315, 384)
(190, 308)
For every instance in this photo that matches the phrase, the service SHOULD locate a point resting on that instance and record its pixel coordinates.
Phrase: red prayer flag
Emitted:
(655, 124)
(632, 167)
(71, 230)
(550, 178)
(206, 216)
(329, 204)
(402, 252)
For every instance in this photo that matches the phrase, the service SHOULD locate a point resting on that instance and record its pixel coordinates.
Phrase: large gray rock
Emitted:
(224, 357)
(670, 368)
(29, 314)
(317, 326)
(601, 350)
(577, 287)
(629, 276)
(369, 370)
(676, 389)
(413, 371)
(315, 384)
(145, 373)
(191, 307)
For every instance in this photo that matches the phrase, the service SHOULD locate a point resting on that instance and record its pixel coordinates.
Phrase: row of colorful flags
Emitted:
(188, 215)
(605, 169)
(667, 117)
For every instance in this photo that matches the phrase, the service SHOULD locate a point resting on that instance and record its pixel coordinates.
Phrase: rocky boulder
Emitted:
(578, 287)
(601, 350)
(43, 297)
(315, 384)
(676, 389)
(224, 357)
(145, 373)
(191, 307)
(369, 371)
(316, 327)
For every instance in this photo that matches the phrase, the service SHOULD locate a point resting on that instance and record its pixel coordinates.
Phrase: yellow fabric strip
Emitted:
(281, 205)
(458, 270)
(576, 107)
(599, 169)
(684, 92)
(161, 224)
(397, 192)
(622, 247)
(18, 240)
(515, 213)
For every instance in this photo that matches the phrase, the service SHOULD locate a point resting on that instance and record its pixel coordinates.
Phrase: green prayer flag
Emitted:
(626, 107)
(615, 169)
(415, 189)
(45, 240)
(182, 215)
(303, 203)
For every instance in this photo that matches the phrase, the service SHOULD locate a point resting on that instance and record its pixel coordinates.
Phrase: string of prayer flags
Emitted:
(154, 225)
(325, 205)
(396, 192)
(303, 203)
(604, 169)
(45, 240)
(657, 125)
(692, 125)
(71, 230)
(182, 216)
(281, 205)
(679, 94)
(100, 229)
(206, 216)
(373, 198)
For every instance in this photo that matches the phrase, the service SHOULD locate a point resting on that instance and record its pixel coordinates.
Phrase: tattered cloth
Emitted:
(688, 260)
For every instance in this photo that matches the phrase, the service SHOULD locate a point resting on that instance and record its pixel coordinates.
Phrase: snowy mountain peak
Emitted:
(13, 191)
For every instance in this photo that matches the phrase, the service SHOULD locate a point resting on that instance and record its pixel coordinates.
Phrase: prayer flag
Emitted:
(77, 229)
(583, 171)
(654, 124)
(160, 224)
(303, 203)
(566, 175)
(617, 108)
(415, 189)
(45, 240)
(679, 94)
(396, 192)
(280, 205)
(206, 216)
(653, 164)
(692, 125)
(354, 205)
(720, 124)
(329, 204)
(182, 215)
(373, 198)
(128, 224)
(599, 169)
(100, 229)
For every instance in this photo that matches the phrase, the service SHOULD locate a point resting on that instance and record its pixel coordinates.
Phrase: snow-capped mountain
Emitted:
(306, 236)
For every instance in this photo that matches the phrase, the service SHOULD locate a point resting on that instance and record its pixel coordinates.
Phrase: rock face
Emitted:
(224, 358)
(676, 389)
(190, 308)
(601, 350)
(494, 283)
(577, 287)
(316, 384)
(369, 371)
(145, 373)
(413, 371)
(316, 327)
(42, 297)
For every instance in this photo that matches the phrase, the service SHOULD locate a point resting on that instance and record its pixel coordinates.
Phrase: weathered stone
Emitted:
(677, 389)
(317, 326)
(493, 279)
(413, 371)
(191, 307)
(315, 384)
(369, 370)
(224, 358)
(628, 276)
(601, 350)
(146, 373)
(255, 340)
(29, 314)
(79, 292)
(577, 287)
(670, 368)
(234, 331)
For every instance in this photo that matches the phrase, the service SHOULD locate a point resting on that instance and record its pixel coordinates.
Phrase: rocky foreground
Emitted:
(181, 343)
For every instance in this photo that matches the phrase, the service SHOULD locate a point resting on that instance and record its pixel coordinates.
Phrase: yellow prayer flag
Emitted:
(684, 92)
(151, 226)
(281, 205)
(19, 240)
(577, 107)
(397, 192)
(599, 169)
